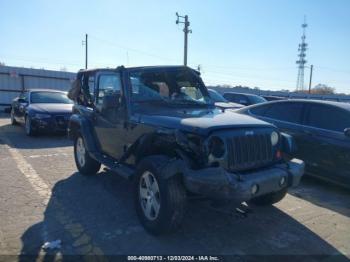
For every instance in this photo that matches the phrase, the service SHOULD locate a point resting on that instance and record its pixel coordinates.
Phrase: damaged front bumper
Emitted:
(217, 183)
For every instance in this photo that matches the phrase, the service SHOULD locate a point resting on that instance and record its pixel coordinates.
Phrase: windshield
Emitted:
(171, 86)
(50, 97)
(216, 96)
(257, 99)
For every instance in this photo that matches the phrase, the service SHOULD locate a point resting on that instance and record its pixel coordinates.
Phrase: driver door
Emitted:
(109, 123)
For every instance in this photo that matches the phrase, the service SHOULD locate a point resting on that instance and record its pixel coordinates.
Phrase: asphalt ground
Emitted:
(43, 198)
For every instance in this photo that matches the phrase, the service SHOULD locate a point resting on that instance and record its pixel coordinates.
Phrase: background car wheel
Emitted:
(160, 202)
(13, 120)
(85, 164)
(28, 126)
(270, 198)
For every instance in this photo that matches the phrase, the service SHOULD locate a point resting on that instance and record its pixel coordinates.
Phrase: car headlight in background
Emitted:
(216, 147)
(42, 116)
(274, 138)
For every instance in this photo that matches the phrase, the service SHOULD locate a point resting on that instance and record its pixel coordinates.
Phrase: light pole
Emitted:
(186, 31)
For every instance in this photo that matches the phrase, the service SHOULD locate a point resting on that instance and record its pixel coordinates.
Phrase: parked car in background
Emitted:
(222, 102)
(244, 99)
(274, 98)
(42, 110)
(321, 130)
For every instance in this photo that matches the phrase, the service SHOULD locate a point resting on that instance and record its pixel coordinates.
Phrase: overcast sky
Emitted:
(251, 43)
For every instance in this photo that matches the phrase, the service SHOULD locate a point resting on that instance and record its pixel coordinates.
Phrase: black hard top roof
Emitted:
(159, 67)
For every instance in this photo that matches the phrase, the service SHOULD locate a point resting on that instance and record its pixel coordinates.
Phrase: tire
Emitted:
(13, 120)
(170, 198)
(86, 165)
(269, 199)
(28, 127)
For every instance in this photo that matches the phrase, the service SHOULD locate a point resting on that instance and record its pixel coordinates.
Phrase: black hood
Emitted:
(202, 121)
(51, 108)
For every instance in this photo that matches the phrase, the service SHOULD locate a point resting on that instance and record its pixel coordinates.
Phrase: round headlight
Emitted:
(216, 147)
(274, 138)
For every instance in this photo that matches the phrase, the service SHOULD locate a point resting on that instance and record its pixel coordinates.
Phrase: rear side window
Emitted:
(328, 117)
(259, 110)
(288, 112)
(236, 98)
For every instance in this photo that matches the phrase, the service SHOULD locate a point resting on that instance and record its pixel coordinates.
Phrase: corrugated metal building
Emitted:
(15, 79)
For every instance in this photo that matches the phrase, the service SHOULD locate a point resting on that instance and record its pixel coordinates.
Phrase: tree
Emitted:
(322, 89)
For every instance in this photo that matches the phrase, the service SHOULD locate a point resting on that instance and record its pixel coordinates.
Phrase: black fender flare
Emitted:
(168, 167)
(80, 125)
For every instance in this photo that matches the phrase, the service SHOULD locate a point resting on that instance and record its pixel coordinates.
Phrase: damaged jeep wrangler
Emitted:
(158, 127)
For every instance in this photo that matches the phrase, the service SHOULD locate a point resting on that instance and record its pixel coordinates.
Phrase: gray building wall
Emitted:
(13, 80)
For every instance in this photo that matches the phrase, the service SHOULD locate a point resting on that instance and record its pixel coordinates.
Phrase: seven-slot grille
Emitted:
(249, 152)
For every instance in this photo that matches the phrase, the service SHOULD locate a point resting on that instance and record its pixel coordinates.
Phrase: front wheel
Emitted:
(269, 199)
(28, 126)
(160, 202)
(85, 164)
(13, 120)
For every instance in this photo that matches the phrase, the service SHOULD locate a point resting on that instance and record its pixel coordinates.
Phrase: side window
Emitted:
(328, 117)
(259, 110)
(288, 112)
(242, 100)
(231, 97)
(108, 84)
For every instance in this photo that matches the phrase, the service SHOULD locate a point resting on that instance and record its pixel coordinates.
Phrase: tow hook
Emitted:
(241, 211)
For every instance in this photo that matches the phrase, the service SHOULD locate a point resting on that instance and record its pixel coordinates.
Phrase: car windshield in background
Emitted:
(216, 96)
(179, 86)
(258, 99)
(49, 97)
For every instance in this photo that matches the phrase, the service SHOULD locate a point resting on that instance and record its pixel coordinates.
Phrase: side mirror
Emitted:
(347, 132)
(111, 101)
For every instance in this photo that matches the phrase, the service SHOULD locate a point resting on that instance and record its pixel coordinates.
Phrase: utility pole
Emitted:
(301, 61)
(186, 31)
(311, 69)
(86, 50)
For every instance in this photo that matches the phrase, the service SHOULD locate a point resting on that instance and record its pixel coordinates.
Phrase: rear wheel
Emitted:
(85, 164)
(269, 199)
(13, 120)
(160, 202)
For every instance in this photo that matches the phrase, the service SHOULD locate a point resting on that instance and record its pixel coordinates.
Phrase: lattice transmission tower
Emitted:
(301, 61)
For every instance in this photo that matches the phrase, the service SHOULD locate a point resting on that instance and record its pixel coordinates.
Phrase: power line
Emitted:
(131, 49)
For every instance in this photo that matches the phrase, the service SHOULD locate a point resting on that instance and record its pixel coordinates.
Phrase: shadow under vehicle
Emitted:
(321, 130)
(158, 127)
(42, 110)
